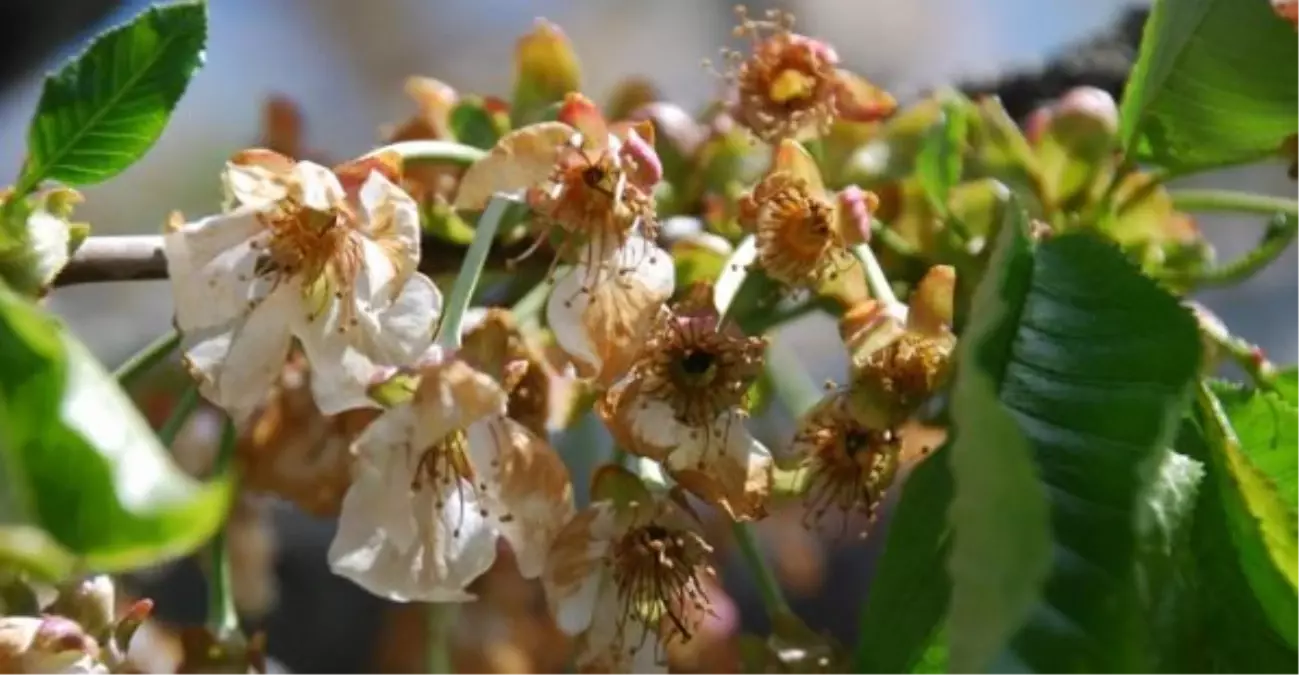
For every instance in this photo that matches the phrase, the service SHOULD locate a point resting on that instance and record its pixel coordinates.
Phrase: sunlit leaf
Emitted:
(105, 109)
(1216, 82)
(81, 464)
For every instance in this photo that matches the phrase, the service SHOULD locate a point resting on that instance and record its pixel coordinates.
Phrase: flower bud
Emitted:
(1077, 142)
(545, 69)
(48, 240)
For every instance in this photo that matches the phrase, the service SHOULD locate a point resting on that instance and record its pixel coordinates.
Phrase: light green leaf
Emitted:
(1214, 84)
(910, 589)
(1252, 439)
(938, 164)
(472, 124)
(1001, 545)
(1093, 363)
(81, 464)
(105, 109)
(1228, 629)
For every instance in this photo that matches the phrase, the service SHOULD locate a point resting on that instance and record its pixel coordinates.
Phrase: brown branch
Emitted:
(140, 258)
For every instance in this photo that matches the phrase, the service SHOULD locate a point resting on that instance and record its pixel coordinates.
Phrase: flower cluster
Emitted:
(305, 316)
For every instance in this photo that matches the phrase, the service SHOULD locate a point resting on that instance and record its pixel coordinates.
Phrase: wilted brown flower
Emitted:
(849, 466)
(682, 404)
(791, 83)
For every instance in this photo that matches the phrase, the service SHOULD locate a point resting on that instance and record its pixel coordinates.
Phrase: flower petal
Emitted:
(392, 221)
(528, 488)
(344, 363)
(727, 467)
(320, 189)
(602, 311)
(236, 364)
(48, 235)
(405, 542)
(256, 178)
(212, 264)
(575, 567)
(521, 159)
(613, 646)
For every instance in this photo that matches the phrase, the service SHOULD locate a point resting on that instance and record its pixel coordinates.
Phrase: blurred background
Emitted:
(344, 64)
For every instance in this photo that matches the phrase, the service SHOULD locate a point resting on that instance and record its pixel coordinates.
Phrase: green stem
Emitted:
(434, 151)
(441, 616)
(462, 291)
(1276, 240)
(891, 240)
(794, 388)
(528, 310)
(1228, 200)
(222, 618)
(185, 406)
(1249, 357)
(772, 597)
(147, 358)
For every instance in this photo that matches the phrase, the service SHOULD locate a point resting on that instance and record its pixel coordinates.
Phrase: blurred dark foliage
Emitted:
(31, 31)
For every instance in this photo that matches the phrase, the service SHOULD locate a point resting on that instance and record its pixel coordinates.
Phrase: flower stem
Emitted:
(222, 618)
(728, 287)
(875, 279)
(1280, 233)
(1228, 200)
(434, 151)
(185, 406)
(462, 291)
(772, 597)
(146, 358)
(440, 617)
(1249, 357)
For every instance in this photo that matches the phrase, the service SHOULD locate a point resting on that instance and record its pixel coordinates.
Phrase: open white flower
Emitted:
(326, 257)
(602, 310)
(625, 578)
(682, 404)
(437, 480)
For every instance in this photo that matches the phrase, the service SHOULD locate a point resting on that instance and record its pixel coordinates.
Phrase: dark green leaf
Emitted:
(81, 464)
(102, 111)
(1001, 547)
(1251, 439)
(1093, 363)
(1214, 84)
(910, 589)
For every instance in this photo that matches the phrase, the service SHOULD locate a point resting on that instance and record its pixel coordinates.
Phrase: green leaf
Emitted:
(938, 164)
(81, 464)
(910, 589)
(1251, 439)
(1214, 84)
(1001, 545)
(472, 124)
(1229, 630)
(105, 109)
(1093, 363)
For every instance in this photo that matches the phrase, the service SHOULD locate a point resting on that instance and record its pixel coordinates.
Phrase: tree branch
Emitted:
(140, 258)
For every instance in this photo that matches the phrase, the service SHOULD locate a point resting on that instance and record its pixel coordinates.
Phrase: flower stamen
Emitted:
(657, 571)
(851, 466)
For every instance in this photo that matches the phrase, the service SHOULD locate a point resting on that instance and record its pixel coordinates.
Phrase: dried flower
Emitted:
(602, 310)
(849, 465)
(584, 180)
(494, 345)
(803, 230)
(327, 257)
(900, 355)
(626, 576)
(682, 404)
(438, 479)
(291, 450)
(790, 83)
